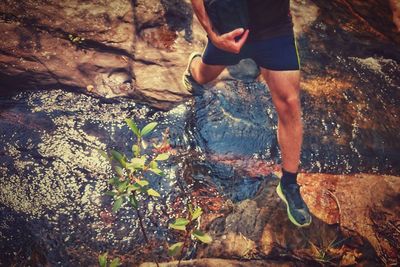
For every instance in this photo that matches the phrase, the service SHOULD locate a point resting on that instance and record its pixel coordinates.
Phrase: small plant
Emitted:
(326, 255)
(103, 261)
(129, 183)
(130, 186)
(188, 226)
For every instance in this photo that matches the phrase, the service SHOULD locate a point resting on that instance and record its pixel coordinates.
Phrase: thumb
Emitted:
(235, 32)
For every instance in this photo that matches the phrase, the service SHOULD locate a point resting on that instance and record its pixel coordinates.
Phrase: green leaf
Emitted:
(142, 182)
(148, 128)
(133, 127)
(113, 181)
(152, 192)
(103, 259)
(163, 156)
(205, 238)
(115, 262)
(175, 249)
(133, 187)
(181, 221)
(119, 158)
(137, 163)
(116, 155)
(117, 204)
(123, 186)
(179, 224)
(119, 171)
(177, 227)
(136, 150)
(196, 213)
(133, 201)
(153, 165)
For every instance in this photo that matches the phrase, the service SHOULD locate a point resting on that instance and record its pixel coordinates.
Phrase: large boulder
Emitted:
(69, 43)
(94, 46)
(140, 48)
(355, 221)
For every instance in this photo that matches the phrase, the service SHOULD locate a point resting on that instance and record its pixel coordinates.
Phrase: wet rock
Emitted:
(53, 178)
(235, 119)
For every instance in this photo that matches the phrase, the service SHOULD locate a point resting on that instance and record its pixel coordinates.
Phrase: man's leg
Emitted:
(285, 91)
(203, 73)
(198, 73)
(203, 68)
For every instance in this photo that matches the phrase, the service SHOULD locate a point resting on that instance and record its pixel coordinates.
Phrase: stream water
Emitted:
(52, 204)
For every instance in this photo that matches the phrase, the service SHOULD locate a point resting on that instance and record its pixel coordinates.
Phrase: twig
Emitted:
(185, 242)
(143, 230)
(337, 204)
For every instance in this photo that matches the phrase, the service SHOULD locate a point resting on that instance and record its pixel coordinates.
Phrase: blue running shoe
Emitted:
(297, 209)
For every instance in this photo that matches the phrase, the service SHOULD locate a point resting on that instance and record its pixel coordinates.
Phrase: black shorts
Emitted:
(275, 53)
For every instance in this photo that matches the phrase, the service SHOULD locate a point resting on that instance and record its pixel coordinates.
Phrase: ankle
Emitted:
(288, 177)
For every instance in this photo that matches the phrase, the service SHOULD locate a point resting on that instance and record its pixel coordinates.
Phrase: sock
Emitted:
(288, 177)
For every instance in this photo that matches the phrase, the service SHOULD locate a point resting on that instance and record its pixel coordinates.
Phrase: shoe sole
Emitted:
(282, 196)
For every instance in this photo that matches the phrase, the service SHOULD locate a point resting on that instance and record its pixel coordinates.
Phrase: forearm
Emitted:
(201, 14)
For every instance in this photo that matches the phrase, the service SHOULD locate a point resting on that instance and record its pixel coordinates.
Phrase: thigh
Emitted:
(283, 85)
(276, 53)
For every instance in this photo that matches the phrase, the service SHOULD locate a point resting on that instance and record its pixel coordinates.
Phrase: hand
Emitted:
(227, 41)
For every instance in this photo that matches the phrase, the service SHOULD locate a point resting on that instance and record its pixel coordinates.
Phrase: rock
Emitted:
(210, 262)
(139, 49)
(67, 44)
(346, 208)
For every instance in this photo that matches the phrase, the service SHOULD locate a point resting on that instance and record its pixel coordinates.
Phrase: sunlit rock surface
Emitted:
(42, 46)
(226, 159)
(357, 211)
(120, 48)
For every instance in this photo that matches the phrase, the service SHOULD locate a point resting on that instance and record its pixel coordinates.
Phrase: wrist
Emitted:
(214, 37)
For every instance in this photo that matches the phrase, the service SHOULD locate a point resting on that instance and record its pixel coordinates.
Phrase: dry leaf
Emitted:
(350, 258)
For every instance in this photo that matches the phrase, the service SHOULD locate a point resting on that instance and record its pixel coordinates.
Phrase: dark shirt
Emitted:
(269, 18)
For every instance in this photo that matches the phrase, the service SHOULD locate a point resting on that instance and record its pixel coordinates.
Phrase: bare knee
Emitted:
(288, 108)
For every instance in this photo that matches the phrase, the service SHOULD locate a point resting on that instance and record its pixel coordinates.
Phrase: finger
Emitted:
(235, 33)
(243, 39)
